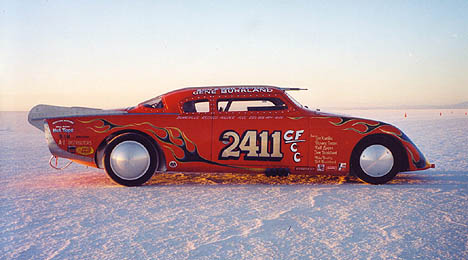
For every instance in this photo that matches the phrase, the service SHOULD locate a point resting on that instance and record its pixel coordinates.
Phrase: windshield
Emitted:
(154, 103)
(293, 100)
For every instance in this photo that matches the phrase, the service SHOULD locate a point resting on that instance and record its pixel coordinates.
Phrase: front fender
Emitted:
(416, 159)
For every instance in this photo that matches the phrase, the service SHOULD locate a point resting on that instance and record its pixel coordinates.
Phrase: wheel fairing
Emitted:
(130, 160)
(376, 160)
(121, 149)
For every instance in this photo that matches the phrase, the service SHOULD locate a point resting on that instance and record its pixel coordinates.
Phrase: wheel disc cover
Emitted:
(130, 160)
(376, 160)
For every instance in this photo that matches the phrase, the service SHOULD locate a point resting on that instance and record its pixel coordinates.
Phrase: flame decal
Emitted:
(171, 139)
(105, 127)
(404, 138)
(295, 118)
(189, 155)
(369, 127)
(343, 120)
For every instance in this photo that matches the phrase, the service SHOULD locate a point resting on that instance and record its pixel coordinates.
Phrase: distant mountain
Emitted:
(463, 105)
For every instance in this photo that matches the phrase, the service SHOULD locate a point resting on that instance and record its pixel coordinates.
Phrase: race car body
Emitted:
(226, 129)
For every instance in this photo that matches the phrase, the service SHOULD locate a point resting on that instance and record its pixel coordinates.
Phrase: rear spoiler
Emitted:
(38, 113)
(292, 89)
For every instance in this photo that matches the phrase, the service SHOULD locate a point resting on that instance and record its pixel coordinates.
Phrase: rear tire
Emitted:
(376, 159)
(130, 159)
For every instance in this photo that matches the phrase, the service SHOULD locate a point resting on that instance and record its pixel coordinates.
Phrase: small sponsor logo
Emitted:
(84, 150)
(172, 164)
(59, 129)
(293, 137)
(63, 121)
(342, 166)
(310, 169)
(71, 149)
(320, 167)
(63, 126)
(331, 168)
(80, 142)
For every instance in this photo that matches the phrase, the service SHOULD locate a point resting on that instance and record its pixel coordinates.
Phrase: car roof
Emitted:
(173, 98)
(221, 90)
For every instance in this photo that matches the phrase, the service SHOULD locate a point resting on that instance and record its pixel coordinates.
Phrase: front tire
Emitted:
(376, 159)
(130, 159)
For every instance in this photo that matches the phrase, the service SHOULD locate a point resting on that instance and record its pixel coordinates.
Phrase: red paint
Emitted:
(293, 137)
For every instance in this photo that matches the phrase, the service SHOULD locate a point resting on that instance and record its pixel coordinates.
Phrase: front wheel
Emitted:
(130, 159)
(376, 159)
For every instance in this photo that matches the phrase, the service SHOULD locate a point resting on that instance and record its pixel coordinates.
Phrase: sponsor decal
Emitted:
(172, 164)
(71, 149)
(234, 90)
(80, 142)
(60, 122)
(320, 167)
(84, 150)
(63, 126)
(342, 166)
(293, 137)
(311, 169)
(331, 168)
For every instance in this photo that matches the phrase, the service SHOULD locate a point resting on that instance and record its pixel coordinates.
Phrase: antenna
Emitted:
(292, 89)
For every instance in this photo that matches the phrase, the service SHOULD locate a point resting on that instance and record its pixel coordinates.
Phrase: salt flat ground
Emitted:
(80, 214)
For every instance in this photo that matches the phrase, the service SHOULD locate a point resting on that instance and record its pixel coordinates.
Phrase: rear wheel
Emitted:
(130, 159)
(376, 159)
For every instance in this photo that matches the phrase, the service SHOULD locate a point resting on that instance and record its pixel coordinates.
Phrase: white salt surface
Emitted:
(79, 214)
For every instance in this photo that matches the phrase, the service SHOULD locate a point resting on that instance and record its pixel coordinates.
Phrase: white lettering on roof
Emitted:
(232, 90)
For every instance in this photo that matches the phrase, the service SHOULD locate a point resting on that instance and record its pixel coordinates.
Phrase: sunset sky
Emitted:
(110, 54)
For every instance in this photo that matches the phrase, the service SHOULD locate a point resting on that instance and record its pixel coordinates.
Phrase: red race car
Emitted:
(258, 129)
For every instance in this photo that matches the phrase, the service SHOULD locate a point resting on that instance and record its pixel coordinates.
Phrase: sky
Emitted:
(111, 54)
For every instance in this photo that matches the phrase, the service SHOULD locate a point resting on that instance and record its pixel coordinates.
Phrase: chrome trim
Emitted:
(130, 160)
(376, 160)
(59, 152)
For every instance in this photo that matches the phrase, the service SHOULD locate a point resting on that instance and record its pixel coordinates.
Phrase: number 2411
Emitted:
(256, 146)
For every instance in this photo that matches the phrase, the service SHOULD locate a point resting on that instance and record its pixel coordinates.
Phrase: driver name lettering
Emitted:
(325, 150)
(234, 90)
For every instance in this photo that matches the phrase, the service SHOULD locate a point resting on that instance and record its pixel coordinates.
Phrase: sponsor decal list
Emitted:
(325, 150)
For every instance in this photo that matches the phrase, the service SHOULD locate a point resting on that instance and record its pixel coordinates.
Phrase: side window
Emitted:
(259, 104)
(196, 106)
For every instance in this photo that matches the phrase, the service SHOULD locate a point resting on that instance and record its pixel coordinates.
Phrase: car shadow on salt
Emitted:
(96, 179)
(411, 178)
